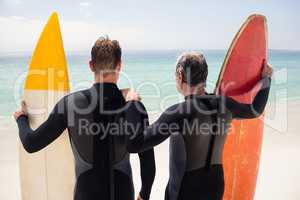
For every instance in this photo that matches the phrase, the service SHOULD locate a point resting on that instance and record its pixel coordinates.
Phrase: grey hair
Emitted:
(193, 67)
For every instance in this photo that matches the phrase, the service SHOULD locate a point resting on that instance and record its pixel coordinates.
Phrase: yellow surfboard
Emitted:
(48, 174)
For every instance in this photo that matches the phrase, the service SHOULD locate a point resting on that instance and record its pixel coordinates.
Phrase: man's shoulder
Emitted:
(78, 98)
(77, 95)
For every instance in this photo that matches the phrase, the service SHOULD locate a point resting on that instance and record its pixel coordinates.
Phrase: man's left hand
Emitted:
(267, 70)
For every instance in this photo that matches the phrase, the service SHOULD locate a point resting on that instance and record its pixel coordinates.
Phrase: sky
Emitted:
(151, 24)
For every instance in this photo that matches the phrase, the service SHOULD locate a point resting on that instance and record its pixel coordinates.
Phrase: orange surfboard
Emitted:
(240, 72)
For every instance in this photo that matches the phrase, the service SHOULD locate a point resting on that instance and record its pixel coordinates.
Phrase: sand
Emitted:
(279, 176)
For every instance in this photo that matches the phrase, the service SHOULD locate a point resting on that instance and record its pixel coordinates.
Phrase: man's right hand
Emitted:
(139, 198)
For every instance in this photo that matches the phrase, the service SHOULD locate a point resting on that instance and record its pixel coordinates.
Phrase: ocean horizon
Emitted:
(151, 72)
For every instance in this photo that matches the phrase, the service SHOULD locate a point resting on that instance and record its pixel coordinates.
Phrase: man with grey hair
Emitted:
(197, 129)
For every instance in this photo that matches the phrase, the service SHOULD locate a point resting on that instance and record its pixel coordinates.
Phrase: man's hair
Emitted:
(193, 68)
(106, 54)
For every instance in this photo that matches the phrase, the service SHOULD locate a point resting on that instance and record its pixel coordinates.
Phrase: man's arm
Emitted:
(144, 138)
(249, 111)
(147, 164)
(46, 133)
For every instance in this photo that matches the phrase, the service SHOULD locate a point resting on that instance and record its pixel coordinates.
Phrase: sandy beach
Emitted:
(279, 171)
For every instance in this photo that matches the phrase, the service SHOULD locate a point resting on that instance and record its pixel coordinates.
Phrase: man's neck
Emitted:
(111, 78)
(195, 91)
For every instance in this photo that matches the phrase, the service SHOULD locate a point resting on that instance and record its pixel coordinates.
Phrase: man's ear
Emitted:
(119, 66)
(92, 68)
(180, 78)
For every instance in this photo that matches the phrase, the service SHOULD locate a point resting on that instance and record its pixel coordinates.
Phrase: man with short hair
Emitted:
(197, 128)
(94, 118)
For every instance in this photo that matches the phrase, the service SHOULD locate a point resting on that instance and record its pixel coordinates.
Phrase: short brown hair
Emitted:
(193, 67)
(106, 54)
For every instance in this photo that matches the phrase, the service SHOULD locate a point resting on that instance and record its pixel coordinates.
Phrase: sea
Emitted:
(150, 72)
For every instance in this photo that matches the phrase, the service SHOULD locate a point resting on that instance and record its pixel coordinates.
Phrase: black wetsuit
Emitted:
(102, 163)
(197, 129)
